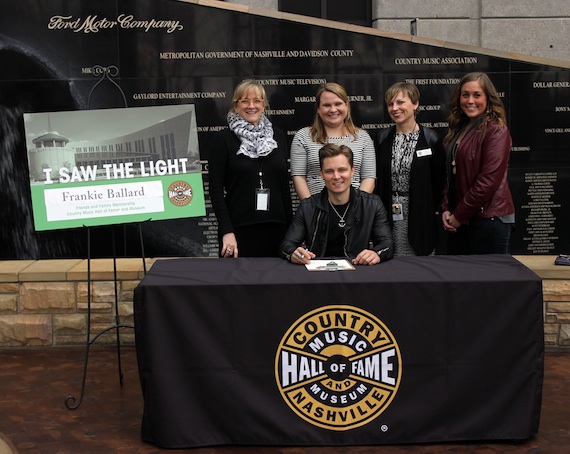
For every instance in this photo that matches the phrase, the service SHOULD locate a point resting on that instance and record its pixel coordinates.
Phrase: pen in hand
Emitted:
(302, 255)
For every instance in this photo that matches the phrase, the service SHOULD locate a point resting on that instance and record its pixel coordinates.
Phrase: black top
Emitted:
(366, 222)
(234, 179)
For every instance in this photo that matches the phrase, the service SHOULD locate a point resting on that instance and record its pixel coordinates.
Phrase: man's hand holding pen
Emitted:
(302, 256)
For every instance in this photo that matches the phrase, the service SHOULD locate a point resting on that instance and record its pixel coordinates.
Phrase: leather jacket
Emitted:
(366, 222)
(481, 186)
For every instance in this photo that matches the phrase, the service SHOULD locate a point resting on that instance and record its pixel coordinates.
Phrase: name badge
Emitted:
(261, 199)
(397, 213)
(424, 152)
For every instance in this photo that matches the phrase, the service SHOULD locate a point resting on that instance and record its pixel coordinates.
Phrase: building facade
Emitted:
(538, 28)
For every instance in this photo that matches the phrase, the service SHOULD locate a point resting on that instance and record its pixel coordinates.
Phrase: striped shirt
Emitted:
(305, 157)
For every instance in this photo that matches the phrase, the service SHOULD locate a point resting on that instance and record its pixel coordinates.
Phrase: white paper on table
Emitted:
(330, 265)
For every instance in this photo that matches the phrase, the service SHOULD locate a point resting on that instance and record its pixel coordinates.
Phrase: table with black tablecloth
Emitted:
(264, 352)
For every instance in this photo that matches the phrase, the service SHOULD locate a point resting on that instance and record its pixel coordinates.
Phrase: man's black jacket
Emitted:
(367, 226)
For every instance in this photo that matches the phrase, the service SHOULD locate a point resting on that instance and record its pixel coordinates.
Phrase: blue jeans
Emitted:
(481, 236)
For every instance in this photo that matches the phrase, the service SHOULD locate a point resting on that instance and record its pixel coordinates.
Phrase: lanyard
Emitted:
(260, 172)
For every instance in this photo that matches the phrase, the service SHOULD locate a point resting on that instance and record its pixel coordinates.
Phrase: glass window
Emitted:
(358, 12)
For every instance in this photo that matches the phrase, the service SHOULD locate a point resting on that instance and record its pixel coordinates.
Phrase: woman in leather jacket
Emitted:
(478, 208)
(340, 221)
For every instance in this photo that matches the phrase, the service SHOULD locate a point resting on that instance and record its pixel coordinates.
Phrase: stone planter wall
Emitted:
(44, 303)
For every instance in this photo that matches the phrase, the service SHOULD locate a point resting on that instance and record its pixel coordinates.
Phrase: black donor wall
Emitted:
(173, 52)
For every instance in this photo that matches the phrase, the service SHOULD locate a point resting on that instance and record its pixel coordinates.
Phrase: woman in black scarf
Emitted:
(249, 180)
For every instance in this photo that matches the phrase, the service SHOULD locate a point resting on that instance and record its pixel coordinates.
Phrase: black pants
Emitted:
(480, 236)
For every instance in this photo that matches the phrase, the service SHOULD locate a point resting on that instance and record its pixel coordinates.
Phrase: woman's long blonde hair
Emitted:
(318, 131)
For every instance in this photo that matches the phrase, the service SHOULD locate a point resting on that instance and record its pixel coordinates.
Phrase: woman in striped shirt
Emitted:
(333, 124)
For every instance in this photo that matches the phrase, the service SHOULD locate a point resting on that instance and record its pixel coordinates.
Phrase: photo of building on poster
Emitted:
(113, 166)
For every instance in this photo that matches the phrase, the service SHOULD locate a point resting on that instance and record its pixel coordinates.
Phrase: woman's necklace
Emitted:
(401, 129)
(341, 222)
(338, 134)
(462, 134)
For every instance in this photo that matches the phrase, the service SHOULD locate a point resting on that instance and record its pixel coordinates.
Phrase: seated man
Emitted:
(341, 221)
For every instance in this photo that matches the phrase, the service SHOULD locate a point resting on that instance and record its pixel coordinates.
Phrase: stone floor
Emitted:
(33, 418)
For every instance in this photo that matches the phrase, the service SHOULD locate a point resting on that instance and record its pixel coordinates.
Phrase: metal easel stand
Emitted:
(71, 402)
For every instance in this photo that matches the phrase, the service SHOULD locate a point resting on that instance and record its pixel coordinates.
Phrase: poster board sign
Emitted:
(113, 166)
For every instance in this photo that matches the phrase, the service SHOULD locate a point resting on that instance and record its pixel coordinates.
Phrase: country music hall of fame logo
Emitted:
(338, 367)
(180, 193)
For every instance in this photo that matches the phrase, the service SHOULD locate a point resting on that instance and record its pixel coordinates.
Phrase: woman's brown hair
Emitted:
(495, 111)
